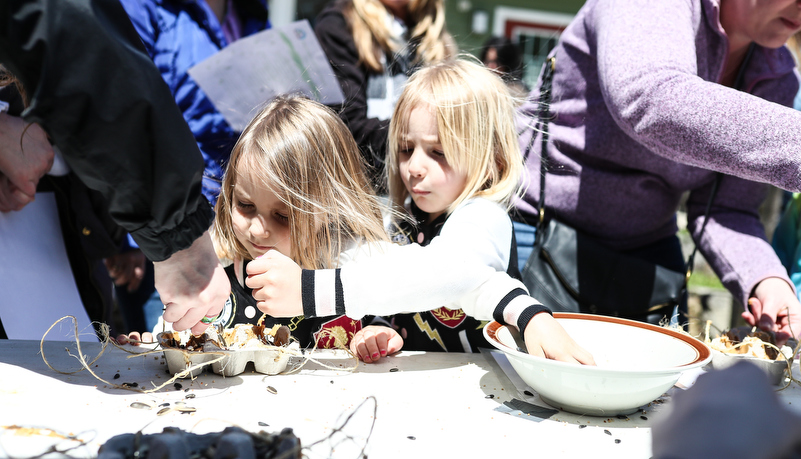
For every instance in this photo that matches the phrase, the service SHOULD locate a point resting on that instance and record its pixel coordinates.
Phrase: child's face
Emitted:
(431, 182)
(260, 219)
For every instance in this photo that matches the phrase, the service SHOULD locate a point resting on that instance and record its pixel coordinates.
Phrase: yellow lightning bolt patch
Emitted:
(433, 334)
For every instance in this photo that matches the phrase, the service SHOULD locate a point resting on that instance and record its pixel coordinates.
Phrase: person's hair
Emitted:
(476, 126)
(373, 37)
(301, 151)
(509, 57)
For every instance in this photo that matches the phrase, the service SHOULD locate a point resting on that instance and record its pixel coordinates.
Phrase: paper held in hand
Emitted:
(249, 72)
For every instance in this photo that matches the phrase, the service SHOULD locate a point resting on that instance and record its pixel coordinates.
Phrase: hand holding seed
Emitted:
(275, 280)
(775, 308)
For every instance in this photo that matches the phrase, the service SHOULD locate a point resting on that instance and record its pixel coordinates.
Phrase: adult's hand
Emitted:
(127, 268)
(25, 157)
(775, 307)
(545, 337)
(275, 280)
(192, 284)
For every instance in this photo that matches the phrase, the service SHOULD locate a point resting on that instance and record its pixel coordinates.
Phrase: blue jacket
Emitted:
(179, 34)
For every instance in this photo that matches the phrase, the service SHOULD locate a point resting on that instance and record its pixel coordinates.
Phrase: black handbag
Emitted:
(568, 271)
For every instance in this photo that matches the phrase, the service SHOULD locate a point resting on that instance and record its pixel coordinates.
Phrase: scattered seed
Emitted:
(186, 390)
(186, 409)
(617, 440)
(177, 386)
(607, 432)
(164, 404)
(490, 396)
(332, 381)
(393, 370)
(410, 437)
(263, 424)
(643, 418)
(141, 406)
(621, 416)
(582, 426)
(117, 376)
(180, 403)
(190, 396)
(164, 411)
(528, 393)
(272, 390)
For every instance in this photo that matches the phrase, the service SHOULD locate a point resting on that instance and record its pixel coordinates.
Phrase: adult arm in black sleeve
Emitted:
(103, 103)
(334, 35)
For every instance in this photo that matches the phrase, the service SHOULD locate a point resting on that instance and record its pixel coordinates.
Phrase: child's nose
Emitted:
(417, 164)
(258, 227)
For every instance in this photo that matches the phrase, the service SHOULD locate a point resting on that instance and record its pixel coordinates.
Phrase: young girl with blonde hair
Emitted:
(295, 184)
(373, 46)
(454, 151)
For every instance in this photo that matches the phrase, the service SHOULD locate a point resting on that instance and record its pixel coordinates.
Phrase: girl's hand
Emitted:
(545, 337)
(134, 338)
(275, 280)
(775, 308)
(375, 341)
(127, 268)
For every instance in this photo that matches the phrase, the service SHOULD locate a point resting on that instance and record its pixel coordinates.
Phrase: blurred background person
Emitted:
(373, 47)
(504, 56)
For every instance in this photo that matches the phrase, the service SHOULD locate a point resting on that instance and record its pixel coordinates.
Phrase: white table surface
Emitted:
(435, 403)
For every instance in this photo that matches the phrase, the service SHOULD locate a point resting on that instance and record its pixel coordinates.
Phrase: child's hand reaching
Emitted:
(775, 308)
(545, 337)
(275, 280)
(375, 341)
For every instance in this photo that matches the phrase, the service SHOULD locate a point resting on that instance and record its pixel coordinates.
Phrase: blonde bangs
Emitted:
(475, 121)
(302, 152)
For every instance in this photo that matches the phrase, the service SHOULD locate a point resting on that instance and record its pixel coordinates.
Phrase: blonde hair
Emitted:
(302, 152)
(476, 127)
(372, 35)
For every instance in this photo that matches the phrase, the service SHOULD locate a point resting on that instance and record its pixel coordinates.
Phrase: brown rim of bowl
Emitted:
(704, 352)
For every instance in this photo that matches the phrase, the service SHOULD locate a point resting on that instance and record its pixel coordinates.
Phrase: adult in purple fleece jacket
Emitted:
(645, 110)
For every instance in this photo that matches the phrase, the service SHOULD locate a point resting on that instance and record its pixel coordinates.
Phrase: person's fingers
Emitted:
(122, 339)
(381, 342)
(134, 338)
(394, 344)
(360, 349)
(147, 337)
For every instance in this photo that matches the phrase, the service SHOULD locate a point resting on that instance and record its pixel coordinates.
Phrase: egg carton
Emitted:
(268, 360)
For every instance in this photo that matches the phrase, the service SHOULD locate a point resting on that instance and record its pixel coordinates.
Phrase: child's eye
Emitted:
(244, 206)
(405, 151)
(438, 153)
(282, 218)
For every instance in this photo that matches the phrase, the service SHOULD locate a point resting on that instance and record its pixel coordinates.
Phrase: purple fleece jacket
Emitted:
(640, 119)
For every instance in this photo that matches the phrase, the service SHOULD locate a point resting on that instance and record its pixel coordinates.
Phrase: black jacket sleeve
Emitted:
(334, 35)
(104, 104)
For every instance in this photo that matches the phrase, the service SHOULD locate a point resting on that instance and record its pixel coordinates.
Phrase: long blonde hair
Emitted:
(301, 151)
(476, 127)
(372, 35)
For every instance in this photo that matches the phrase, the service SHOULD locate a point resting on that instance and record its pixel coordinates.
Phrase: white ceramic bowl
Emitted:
(636, 363)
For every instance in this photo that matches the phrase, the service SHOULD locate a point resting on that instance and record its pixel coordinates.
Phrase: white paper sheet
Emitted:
(249, 72)
(36, 283)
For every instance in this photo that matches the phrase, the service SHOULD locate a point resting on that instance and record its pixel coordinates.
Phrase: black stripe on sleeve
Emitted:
(339, 294)
(528, 314)
(307, 292)
(498, 313)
